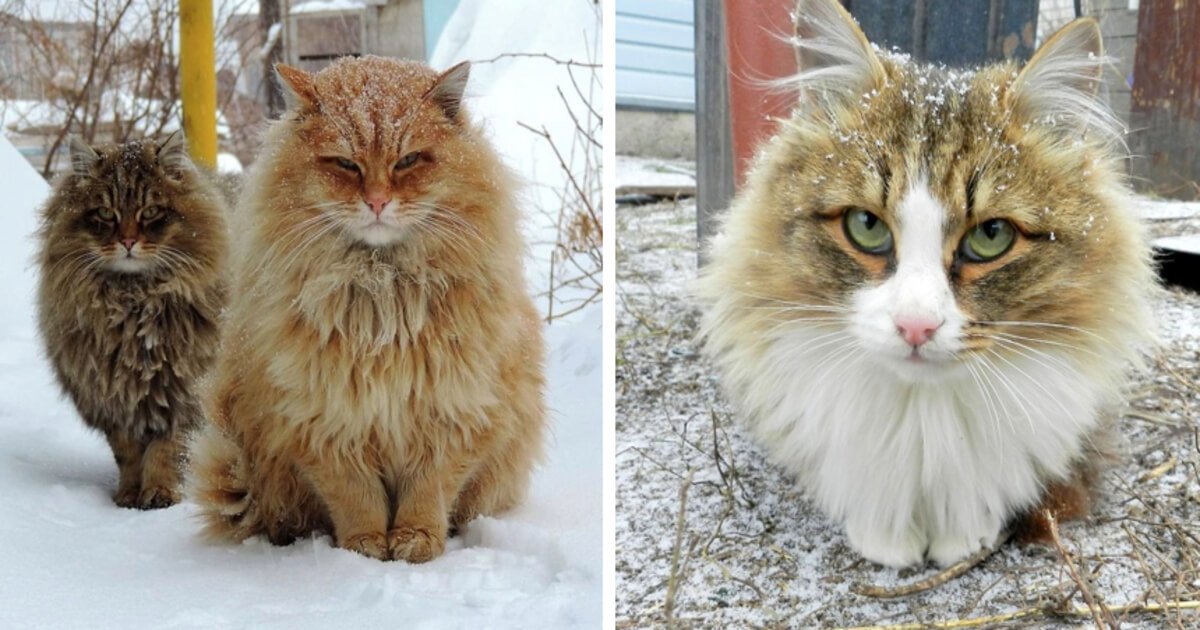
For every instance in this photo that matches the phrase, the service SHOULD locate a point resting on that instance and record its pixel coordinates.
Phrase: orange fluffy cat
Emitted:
(381, 378)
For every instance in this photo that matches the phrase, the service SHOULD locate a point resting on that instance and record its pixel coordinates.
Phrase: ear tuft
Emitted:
(299, 92)
(1061, 81)
(172, 154)
(82, 156)
(447, 90)
(833, 55)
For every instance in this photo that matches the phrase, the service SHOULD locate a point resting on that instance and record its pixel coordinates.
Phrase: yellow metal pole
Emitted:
(198, 79)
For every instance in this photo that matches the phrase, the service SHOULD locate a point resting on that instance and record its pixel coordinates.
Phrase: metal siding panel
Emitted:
(655, 59)
(651, 88)
(673, 10)
(654, 51)
(643, 30)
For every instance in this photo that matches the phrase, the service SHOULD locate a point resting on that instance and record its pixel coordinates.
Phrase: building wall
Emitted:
(437, 14)
(655, 54)
(398, 30)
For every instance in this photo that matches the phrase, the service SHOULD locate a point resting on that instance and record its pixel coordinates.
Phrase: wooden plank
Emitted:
(714, 141)
(657, 190)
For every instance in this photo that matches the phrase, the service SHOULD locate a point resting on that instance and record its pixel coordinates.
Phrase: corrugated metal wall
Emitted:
(655, 56)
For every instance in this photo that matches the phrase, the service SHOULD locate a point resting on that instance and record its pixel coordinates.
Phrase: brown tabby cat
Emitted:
(133, 246)
(386, 384)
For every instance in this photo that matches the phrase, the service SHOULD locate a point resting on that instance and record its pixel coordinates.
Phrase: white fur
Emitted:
(378, 231)
(919, 288)
(133, 261)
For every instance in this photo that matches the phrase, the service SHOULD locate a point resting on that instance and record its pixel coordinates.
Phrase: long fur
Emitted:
(381, 393)
(130, 348)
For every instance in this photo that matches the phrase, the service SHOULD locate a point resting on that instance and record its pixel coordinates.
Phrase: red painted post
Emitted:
(757, 52)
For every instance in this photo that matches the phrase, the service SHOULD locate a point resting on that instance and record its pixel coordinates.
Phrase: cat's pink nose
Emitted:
(916, 331)
(129, 243)
(377, 201)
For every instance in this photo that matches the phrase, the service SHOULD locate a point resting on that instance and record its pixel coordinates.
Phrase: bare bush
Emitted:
(106, 70)
(577, 260)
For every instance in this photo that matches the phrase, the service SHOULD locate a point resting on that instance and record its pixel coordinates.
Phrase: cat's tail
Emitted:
(218, 482)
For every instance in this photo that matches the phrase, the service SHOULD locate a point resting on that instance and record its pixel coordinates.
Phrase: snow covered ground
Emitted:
(71, 559)
(752, 552)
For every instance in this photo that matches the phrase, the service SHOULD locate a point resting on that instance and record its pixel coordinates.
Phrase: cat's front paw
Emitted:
(891, 549)
(157, 497)
(371, 545)
(415, 544)
(127, 497)
(948, 549)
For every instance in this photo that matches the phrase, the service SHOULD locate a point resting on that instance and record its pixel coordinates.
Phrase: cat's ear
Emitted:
(82, 156)
(298, 89)
(833, 55)
(447, 90)
(172, 154)
(1060, 82)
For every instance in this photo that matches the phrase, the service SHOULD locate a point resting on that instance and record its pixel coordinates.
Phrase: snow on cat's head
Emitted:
(932, 215)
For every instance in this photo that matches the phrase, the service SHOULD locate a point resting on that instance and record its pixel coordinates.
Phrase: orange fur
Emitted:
(384, 393)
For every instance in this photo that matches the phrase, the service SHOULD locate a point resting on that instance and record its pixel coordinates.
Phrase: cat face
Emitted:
(382, 140)
(120, 209)
(931, 217)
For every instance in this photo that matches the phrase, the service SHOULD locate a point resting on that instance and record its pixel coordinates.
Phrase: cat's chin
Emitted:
(125, 264)
(378, 234)
(922, 370)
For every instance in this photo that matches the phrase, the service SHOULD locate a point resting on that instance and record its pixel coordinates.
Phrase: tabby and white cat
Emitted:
(926, 298)
(383, 376)
(133, 246)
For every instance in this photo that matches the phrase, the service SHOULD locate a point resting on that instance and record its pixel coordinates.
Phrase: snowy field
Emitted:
(72, 559)
(751, 552)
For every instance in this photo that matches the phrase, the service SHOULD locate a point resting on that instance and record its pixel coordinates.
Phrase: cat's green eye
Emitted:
(349, 165)
(106, 214)
(867, 231)
(408, 160)
(988, 240)
(151, 213)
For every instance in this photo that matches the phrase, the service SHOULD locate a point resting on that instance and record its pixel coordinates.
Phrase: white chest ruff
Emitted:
(921, 460)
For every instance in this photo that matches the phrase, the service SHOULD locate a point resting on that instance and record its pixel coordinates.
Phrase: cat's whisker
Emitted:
(821, 302)
(316, 235)
(1017, 345)
(301, 233)
(450, 217)
(828, 339)
(442, 232)
(1048, 342)
(817, 322)
(987, 401)
(986, 370)
(1057, 400)
(72, 264)
(1034, 324)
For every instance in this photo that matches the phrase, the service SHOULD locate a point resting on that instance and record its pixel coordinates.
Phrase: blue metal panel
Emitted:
(633, 28)
(668, 10)
(654, 54)
(639, 88)
(436, 13)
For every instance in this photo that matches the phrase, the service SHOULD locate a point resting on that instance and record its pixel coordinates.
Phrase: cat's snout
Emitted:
(916, 331)
(377, 201)
(129, 243)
